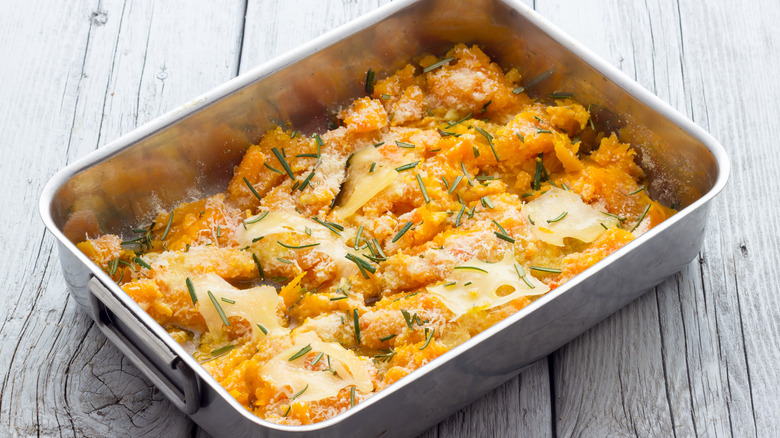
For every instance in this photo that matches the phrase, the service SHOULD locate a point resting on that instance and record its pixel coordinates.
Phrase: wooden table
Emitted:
(698, 355)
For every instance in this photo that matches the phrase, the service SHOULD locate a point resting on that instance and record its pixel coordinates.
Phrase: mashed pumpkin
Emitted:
(336, 264)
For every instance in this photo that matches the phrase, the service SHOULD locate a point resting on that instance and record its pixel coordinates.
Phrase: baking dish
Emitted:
(191, 151)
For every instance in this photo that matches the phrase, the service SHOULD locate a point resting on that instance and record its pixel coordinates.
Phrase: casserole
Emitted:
(685, 165)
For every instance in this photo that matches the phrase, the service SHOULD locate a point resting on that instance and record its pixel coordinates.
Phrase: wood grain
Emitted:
(695, 356)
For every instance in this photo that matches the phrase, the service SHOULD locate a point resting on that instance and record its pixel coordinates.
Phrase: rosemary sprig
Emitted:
(257, 219)
(370, 74)
(219, 308)
(167, 227)
(641, 218)
(629, 194)
(423, 190)
(310, 245)
(489, 138)
(356, 320)
(521, 273)
(262, 328)
(222, 350)
(300, 353)
(402, 231)
(403, 144)
(438, 64)
(544, 269)
(252, 189)
(407, 166)
(283, 162)
(259, 266)
(329, 225)
(428, 337)
(561, 216)
(471, 268)
(191, 290)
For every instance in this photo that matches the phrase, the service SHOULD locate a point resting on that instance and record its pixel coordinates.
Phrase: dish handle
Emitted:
(142, 346)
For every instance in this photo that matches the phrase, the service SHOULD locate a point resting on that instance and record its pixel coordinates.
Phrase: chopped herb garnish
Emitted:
(446, 184)
(403, 230)
(451, 124)
(403, 144)
(407, 166)
(257, 219)
(564, 186)
(521, 273)
(486, 202)
(259, 267)
(561, 95)
(438, 64)
(370, 74)
(621, 219)
(451, 283)
(387, 338)
(561, 216)
(191, 290)
(531, 220)
(489, 138)
(455, 183)
(219, 308)
(222, 350)
(306, 181)
(543, 269)
(466, 173)
(112, 266)
(252, 189)
(310, 245)
(307, 230)
(460, 216)
(522, 139)
(227, 300)
(357, 237)
(386, 356)
(470, 268)
(285, 261)
(300, 353)
(604, 226)
(499, 226)
(407, 318)
(168, 227)
(475, 150)
(349, 160)
(543, 131)
(140, 262)
(428, 337)
(632, 193)
(329, 225)
(386, 96)
(503, 236)
(371, 169)
(356, 320)
(306, 156)
(262, 328)
(641, 218)
(535, 81)
(540, 170)
(361, 264)
(300, 392)
(317, 358)
(337, 298)
(378, 248)
(379, 144)
(423, 190)
(352, 397)
(484, 107)
(283, 161)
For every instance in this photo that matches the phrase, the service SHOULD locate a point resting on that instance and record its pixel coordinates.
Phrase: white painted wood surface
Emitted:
(698, 355)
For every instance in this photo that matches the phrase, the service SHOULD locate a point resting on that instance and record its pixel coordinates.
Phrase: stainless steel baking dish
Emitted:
(190, 152)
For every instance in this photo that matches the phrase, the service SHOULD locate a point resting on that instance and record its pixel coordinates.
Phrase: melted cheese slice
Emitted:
(278, 222)
(485, 281)
(361, 185)
(256, 305)
(293, 376)
(581, 222)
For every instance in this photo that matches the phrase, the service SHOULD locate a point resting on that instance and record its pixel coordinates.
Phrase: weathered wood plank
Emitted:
(708, 369)
(86, 73)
